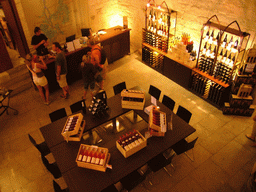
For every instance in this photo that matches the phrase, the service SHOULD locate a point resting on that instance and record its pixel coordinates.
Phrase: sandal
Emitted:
(250, 137)
(63, 96)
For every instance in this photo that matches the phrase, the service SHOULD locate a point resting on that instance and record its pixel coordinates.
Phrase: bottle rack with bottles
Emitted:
(220, 54)
(160, 25)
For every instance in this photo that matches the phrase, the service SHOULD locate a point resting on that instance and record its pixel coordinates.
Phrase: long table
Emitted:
(81, 179)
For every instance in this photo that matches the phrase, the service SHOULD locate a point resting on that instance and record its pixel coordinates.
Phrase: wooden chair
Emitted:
(57, 187)
(183, 146)
(78, 106)
(52, 168)
(184, 114)
(42, 147)
(119, 87)
(155, 92)
(168, 102)
(58, 114)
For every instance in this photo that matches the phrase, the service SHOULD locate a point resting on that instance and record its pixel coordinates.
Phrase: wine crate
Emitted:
(240, 102)
(76, 137)
(97, 167)
(134, 149)
(229, 110)
(157, 123)
(66, 130)
(133, 99)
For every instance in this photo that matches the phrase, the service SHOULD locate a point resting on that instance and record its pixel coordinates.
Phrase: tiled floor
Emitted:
(223, 155)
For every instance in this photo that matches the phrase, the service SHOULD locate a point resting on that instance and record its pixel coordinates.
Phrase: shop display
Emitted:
(133, 99)
(240, 101)
(220, 55)
(98, 107)
(157, 122)
(73, 128)
(160, 25)
(131, 143)
(93, 157)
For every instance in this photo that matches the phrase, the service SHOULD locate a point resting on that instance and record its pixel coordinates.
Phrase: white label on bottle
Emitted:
(84, 158)
(93, 160)
(97, 161)
(136, 142)
(140, 140)
(101, 161)
(88, 159)
(79, 157)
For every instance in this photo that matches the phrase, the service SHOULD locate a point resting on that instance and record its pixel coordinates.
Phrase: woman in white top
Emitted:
(38, 76)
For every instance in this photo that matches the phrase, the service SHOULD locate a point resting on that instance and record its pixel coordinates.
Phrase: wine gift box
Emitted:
(134, 149)
(157, 120)
(133, 99)
(100, 164)
(72, 124)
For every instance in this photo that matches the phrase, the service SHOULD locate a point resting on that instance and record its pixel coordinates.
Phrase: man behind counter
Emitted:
(39, 42)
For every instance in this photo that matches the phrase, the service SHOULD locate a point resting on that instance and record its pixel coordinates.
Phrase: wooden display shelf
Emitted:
(155, 49)
(229, 30)
(225, 85)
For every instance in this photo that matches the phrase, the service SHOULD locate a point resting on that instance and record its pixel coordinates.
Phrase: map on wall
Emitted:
(52, 21)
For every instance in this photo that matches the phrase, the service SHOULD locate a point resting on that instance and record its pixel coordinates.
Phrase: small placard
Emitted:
(153, 100)
(70, 46)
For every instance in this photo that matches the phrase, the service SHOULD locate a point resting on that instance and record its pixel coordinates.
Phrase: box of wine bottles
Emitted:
(133, 99)
(131, 143)
(73, 125)
(157, 122)
(93, 157)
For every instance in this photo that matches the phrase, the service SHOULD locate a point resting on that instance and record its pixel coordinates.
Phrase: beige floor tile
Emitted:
(236, 181)
(217, 140)
(210, 176)
(212, 122)
(232, 157)
(235, 126)
(188, 184)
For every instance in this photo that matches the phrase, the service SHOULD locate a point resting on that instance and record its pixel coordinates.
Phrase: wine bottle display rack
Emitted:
(221, 50)
(152, 58)
(160, 25)
(207, 88)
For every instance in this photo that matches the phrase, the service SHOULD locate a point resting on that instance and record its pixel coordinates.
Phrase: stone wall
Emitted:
(101, 14)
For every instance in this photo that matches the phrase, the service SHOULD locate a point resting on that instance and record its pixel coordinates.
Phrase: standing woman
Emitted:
(38, 76)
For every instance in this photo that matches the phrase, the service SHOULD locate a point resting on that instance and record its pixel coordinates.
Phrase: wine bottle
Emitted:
(150, 15)
(102, 157)
(224, 41)
(225, 57)
(236, 44)
(93, 157)
(82, 151)
(205, 46)
(85, 155)
(231, 42)
(149, 25)
(211, 37)
(207, 35)
(218, 36)
(83, 107)
(97, 158)
(89, 157)
(154, 16)
(228, 59)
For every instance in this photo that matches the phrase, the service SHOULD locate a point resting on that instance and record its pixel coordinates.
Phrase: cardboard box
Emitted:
(134, 149)
(98, 167)
(133, 99)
